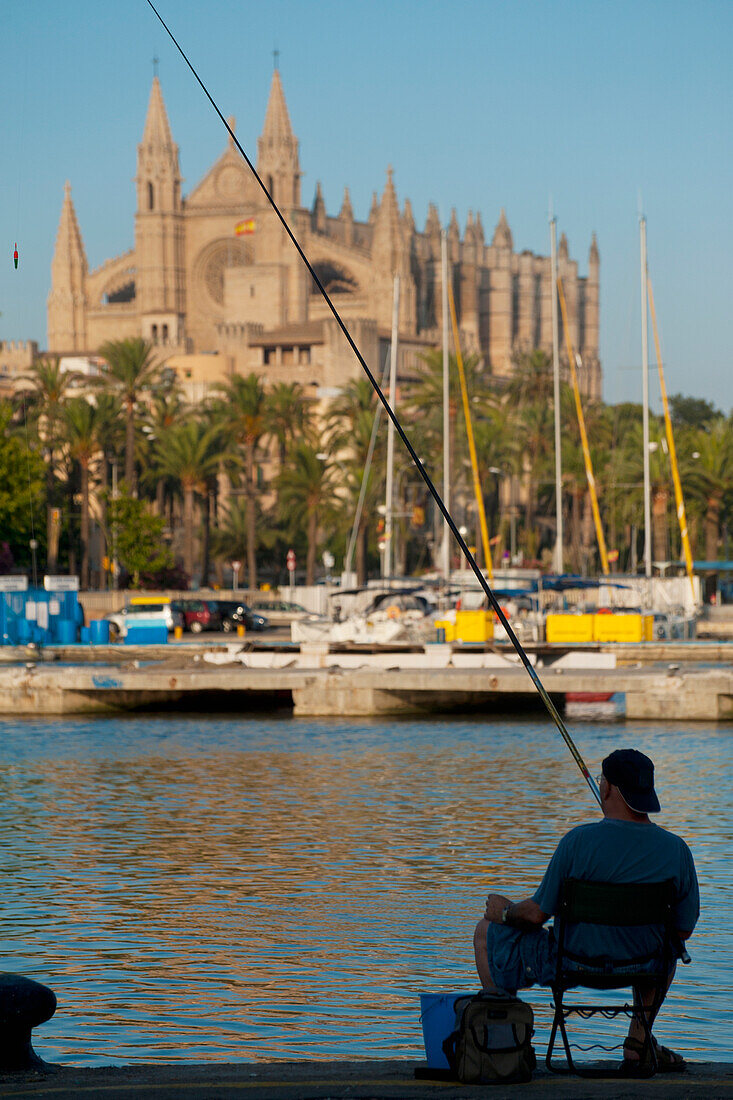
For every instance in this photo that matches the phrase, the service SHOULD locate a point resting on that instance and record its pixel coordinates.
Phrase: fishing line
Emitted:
(551, 708)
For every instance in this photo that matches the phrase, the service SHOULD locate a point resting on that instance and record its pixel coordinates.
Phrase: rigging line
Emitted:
(365, 478)
(30, 497)
(551, 708)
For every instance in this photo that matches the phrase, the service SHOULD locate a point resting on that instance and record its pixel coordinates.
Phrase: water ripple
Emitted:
(252, 888)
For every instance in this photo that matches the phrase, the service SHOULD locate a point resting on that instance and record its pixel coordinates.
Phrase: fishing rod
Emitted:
(551, 708)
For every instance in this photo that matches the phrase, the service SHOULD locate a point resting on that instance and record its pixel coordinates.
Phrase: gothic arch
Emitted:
(335, 278)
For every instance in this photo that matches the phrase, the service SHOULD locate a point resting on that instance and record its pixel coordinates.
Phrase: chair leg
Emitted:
(558, 1020)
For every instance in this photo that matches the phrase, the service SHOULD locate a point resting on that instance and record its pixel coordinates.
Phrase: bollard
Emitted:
(178, 633)
(24, 1004)
(241, 631)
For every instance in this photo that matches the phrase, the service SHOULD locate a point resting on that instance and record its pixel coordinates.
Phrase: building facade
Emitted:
(214, 282)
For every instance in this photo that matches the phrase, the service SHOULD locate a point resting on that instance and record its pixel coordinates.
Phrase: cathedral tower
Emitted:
(277, 150)
(159, 228)
(67, 300)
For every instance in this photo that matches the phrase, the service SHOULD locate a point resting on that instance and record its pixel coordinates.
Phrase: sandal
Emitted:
(668, 1061)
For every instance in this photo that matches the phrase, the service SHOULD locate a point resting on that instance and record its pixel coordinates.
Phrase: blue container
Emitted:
(24, 631)
(99, 632)
(84, 635)
(66, 632)
(147, 634)
(438, 1019)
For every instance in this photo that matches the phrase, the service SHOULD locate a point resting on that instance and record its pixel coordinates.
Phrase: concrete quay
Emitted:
(339, 1080)
(385, 684)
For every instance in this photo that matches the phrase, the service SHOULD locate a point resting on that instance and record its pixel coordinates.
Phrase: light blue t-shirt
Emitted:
(621, 851)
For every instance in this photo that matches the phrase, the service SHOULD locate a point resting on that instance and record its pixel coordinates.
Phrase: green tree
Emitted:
(306, 495)
(190, 453)
(130, 372)
(708, 472)
(137, 536)
(22, 489)
(350, 424)
(288, 416)
(42, 405)
(692, 412)
(242, 414)
(81, 421)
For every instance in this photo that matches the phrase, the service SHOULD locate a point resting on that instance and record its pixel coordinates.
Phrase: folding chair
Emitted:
(620, 905)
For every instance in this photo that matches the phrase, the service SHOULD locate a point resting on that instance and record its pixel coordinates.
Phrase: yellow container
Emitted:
(648, 628)
(617, 627)
(178, 633)
(448, 627)
(569, 628)
(240, 630)
(474, 626)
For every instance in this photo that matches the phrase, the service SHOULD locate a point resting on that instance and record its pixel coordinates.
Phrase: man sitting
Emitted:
(513, 950)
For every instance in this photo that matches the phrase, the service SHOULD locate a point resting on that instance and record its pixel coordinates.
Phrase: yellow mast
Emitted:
(583, 435)
(469, 432)
(679, 499)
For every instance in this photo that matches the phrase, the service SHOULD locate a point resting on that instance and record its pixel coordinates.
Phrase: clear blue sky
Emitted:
(477, 104)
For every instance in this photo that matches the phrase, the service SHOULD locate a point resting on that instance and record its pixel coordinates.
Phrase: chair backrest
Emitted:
(617, 903)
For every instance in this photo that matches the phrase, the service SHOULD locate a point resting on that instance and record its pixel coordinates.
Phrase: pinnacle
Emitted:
(69, 245)
(277, 129)
(157, 133)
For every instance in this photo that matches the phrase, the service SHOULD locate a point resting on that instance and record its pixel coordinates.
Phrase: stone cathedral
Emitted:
(213, 281)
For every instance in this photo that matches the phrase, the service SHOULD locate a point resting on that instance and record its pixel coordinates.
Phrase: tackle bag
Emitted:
(492, 1042)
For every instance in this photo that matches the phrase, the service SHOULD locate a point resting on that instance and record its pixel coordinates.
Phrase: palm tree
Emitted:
(242, 414)
(350, 424)
(49, 388)
(82, 435)
(709, 473)
(190, 452)
(306, 490)
(288, 416)
(130, 371)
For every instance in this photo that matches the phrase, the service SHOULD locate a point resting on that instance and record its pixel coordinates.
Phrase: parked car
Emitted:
(281, 611)
(199, 615)
(143, 609)
(233, 613)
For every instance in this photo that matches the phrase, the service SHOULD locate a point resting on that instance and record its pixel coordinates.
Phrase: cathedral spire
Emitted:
(593, 255)
(374, 208)
(277, 149)
(318, 213)
(387, 244)
(67, 300)
(562, 250)
(158, 172)
(502, 233)
(346, 217)
(157, 133)
(277, 130)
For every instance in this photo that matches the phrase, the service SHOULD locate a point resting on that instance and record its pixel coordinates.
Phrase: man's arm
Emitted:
(517, 914)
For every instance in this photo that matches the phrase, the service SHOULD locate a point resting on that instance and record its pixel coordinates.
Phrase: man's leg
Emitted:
(480, 950)
(647, 997)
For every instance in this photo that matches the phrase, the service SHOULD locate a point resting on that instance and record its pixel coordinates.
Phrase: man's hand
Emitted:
(495, 906)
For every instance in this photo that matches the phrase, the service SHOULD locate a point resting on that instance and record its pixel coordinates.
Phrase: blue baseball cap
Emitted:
(633, 774)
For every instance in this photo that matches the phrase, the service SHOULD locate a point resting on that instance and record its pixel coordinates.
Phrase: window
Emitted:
(288, 356)
(251, 292)
(154, 333)
(304, 355)
(269, 355)
(151, 197)
(165, 334)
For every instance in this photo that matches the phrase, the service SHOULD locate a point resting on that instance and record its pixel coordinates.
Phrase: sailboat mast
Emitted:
(556, 392)
(645, 392)
(446, 405)
(389, 511)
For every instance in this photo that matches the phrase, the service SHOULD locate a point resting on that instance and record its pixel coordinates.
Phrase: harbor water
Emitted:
(233, 888)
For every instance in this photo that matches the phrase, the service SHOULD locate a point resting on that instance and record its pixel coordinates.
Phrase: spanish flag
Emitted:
(243, 229)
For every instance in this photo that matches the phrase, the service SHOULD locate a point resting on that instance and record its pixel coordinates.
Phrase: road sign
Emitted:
(13, 584)
(61, 584)
(290, 560)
